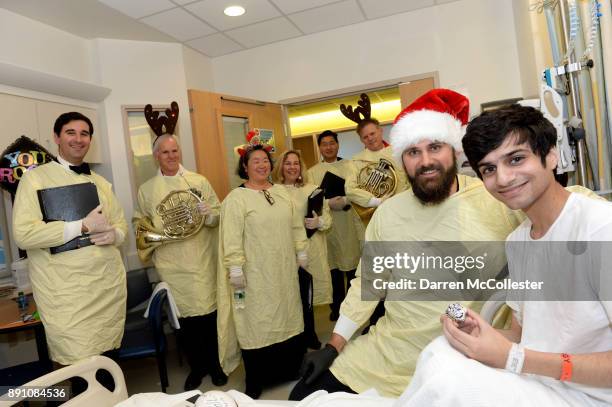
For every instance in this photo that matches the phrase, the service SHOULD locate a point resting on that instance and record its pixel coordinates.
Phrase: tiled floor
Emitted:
(142, 375)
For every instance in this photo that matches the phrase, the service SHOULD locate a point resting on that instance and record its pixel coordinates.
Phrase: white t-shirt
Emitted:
(572, 327)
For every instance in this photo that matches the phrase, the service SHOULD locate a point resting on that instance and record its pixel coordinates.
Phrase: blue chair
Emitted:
(148, 340)
(139, 288)
(139, 291)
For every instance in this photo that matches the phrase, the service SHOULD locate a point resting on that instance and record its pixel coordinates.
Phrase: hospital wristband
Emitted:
(516, 358)
(566, 367)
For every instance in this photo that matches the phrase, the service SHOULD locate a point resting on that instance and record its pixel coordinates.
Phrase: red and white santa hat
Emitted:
(438, 115)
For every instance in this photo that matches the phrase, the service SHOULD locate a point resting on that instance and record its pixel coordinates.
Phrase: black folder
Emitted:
(69, 203)
(315, 203)
(333, 185)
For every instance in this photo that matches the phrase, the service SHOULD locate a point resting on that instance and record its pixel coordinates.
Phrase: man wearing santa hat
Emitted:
(558, 348)
(442, 205)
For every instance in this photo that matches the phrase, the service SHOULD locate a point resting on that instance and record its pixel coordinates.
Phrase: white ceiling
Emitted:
(201, 24)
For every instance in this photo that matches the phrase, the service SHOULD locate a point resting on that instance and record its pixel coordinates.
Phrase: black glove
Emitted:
(317, 362)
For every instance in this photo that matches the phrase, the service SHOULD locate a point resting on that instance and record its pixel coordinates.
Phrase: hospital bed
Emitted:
(97, 395)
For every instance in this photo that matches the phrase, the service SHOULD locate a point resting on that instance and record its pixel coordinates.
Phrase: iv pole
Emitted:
(574, 109)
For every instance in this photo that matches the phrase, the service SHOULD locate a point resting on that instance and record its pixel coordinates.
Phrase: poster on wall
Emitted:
(22, 155)
(266, 136)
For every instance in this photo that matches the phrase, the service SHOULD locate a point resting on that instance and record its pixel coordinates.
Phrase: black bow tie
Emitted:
(81, 169)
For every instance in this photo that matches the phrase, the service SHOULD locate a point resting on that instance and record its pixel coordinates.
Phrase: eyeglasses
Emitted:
(268, 196)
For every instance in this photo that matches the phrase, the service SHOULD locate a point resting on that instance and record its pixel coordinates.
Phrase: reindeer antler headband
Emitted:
(360, 113)
(253, 140)
(162, 124)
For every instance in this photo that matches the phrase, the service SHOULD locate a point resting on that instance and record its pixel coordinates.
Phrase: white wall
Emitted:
(524, 40)
(534, 46)
(198, 70)
(471, 43)
(28, 43)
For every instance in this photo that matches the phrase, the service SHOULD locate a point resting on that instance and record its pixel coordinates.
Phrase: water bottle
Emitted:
(22, 301)
(239, 297)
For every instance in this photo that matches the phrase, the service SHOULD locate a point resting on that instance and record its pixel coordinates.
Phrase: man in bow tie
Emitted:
(80, 293)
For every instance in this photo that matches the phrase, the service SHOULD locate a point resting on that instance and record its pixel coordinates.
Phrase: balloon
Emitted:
(21, 156)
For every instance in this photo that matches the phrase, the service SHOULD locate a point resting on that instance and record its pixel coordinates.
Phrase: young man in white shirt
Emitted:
(556, 352)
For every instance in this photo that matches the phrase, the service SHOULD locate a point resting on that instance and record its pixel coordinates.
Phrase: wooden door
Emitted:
(214, 149)
(410, 91)
(307, 146)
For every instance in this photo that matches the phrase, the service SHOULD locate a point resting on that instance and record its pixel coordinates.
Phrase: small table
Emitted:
(10, 321)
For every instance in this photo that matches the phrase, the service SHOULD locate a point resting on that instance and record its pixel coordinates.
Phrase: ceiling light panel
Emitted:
(234, 11)
(211, 11)
(179, 24)
(215, 45)
(139, 8)
(265, 32)
(328, 17)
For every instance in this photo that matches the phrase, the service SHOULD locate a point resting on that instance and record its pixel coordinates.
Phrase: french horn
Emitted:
(379, 179)
(180, 220)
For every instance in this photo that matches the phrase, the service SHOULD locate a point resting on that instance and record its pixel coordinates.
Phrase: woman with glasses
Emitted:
(315, 282)
(262, 242)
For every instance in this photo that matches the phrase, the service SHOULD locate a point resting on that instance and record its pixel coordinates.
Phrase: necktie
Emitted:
(81, 169)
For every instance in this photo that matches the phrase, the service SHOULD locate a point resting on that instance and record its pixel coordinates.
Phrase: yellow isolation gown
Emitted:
(317, 245)
(343, 247)
(386, 357)
(80, 294)
(188, 266)
(263, 239)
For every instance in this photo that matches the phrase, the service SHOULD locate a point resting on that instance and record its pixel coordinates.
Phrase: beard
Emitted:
(435, 190)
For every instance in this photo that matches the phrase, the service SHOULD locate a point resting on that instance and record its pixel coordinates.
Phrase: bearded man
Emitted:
(441, 206)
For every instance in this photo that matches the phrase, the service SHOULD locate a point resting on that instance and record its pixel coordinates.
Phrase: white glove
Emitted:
(374, 202)
(96, 221)
(337, 203)
(313, 223)
(236, 278)
(204, 208)
(103, 238)
(302, 260)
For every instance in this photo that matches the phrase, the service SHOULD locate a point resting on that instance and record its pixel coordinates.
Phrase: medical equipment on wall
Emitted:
(573, 94)
(550, 104)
